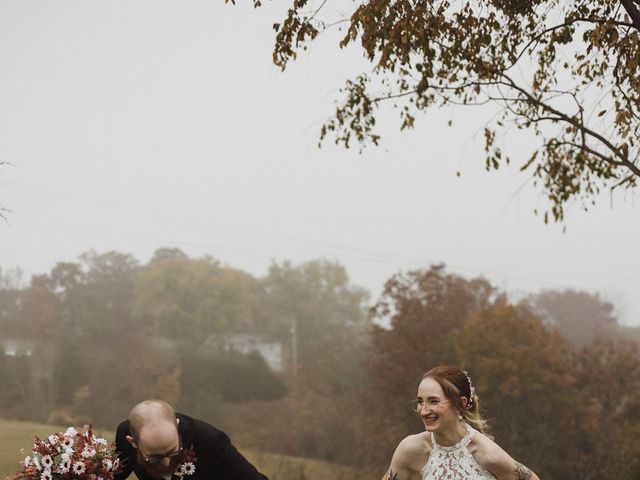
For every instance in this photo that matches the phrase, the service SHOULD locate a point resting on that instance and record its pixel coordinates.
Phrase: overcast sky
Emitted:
(132, 125)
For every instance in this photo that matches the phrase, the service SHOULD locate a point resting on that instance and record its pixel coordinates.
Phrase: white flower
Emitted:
(53, 439)
(188, 468)
(36, 462)
(47, 462)
(65, 456)
(108, 464)
(68, 451)
(64, 465)
(46, 475)
(70, 432)
(116, 462)
(100, 441)
(27, 461)
(88, 452)
(185, 469)
(67, 443)
(78, 468)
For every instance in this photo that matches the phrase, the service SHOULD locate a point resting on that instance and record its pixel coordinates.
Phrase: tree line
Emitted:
(94, 335)
(558, 378)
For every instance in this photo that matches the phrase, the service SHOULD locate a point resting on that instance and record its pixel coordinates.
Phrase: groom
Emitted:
(158, 444)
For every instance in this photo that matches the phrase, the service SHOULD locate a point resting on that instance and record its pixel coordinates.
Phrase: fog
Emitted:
(135, 125)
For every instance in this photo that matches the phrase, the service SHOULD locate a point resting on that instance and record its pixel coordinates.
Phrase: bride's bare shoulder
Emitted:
(409, 457)
(416, 446)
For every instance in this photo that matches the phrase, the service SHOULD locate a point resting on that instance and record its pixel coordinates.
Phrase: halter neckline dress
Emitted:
(454, 462)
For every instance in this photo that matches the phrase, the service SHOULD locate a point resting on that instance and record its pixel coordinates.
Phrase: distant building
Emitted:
(246, 343)
(14, 347)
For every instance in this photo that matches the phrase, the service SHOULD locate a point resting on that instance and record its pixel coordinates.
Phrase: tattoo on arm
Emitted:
(391, 475)
(522, 472)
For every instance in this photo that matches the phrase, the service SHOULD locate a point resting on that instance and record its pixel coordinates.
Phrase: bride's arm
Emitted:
(408, 459)
(493, 458)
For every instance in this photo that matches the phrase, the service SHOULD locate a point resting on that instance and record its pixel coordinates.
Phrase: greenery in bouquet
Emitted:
(72, 455)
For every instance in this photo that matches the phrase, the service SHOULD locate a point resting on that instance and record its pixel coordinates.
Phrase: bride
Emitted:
(455, 445)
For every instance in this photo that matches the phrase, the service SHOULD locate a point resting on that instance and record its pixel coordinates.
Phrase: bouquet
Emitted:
(71, 455)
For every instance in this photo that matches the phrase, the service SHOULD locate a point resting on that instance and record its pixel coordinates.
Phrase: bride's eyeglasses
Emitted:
(434, 403)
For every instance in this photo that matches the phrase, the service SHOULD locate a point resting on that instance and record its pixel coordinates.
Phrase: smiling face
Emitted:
(436, 411)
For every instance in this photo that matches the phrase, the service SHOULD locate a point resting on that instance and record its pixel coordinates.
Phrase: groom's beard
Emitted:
(158, 470)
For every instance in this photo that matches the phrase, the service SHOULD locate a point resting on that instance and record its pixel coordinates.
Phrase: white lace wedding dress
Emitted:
(454, 462)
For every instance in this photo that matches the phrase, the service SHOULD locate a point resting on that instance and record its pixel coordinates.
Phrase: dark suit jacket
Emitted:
(217, 458)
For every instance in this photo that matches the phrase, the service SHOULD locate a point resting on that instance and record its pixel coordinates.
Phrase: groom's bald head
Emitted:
(151, 416)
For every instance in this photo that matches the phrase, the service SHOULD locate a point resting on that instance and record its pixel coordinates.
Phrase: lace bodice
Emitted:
(454, 462)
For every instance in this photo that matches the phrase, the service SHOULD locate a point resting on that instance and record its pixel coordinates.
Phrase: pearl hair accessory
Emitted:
(471, 389)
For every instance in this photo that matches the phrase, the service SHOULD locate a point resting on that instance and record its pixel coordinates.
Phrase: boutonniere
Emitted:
(187, 465)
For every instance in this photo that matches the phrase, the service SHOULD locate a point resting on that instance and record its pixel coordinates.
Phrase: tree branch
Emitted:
(558, 116)
(624, 161)
(539, 36)
(316, 12)
(633, 12)
(627, 179)
(590, 150)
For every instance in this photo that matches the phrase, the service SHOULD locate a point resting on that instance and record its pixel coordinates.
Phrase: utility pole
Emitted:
(294, 351)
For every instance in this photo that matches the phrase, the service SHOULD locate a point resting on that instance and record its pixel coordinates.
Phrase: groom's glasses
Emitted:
(155, 459)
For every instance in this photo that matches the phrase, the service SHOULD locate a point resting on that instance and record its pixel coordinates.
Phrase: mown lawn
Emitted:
(19, 435)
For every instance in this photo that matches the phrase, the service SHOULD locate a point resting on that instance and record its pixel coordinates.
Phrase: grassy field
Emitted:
(19, 435)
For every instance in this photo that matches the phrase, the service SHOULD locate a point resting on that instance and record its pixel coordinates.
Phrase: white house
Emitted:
(246, 343)
(13, 347)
